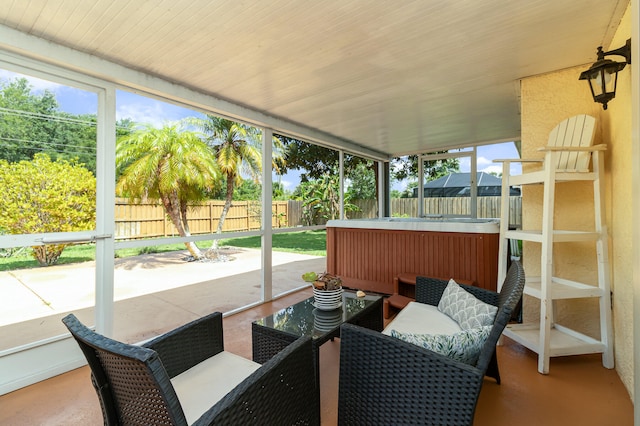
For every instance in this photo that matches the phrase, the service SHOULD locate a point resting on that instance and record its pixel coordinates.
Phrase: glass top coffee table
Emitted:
(271, 334)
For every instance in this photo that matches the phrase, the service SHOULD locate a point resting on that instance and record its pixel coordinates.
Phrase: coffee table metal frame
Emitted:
(267, 341)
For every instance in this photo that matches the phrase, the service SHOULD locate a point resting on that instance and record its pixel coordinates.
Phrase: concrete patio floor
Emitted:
(578, 391)
(153, 293)
(164, 292)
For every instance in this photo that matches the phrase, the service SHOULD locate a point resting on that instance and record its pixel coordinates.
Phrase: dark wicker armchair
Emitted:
(384, 380)
(136, 384)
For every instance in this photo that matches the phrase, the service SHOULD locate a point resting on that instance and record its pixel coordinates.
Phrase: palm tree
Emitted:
(170, 165)
(238, 152)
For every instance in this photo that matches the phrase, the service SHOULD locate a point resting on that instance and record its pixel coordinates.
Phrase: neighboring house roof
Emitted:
(458, 185)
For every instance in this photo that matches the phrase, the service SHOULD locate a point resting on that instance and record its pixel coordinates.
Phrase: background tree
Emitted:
(70, 136)
(46, 196)
(23, 121)
(32, 123)
(313, 160)
(407, 167)
(412, 184)
(362, 183)
(173, 166)
(248, 190)
(279, 192)
(316, 161)
(395, 193)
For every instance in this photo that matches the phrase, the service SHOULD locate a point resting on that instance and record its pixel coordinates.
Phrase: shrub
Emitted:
(46, 196)
(148, 250)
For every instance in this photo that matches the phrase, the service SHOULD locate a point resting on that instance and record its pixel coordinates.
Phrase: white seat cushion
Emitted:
(421, 318)
(200, 387)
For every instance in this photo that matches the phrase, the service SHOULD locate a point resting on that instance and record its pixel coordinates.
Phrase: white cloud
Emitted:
(516, 169)
(399, 185)
(286, 184)
(142, 112)
(494, 168)
(483, 162)
(38, 85)
(142, 109)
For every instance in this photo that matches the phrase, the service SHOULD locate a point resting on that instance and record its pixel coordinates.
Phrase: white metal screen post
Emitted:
(420, 186)
(267, 202)
(105, 210)
(382, 183)
(473, 202)
(341, 167)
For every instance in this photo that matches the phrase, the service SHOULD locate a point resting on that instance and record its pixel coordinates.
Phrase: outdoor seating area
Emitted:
(597, 395)
(412, 356)
(186, 377)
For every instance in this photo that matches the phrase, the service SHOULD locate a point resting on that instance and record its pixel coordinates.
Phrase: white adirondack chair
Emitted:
(567, 157)
(568, 151)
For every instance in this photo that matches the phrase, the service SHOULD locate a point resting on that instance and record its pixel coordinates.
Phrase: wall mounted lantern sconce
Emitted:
(603, 74)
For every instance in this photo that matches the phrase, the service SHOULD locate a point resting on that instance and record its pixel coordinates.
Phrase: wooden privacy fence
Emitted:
(148, 220)
(408, 207)
(486, 207)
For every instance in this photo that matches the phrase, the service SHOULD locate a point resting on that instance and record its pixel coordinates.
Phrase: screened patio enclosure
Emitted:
(376, 81)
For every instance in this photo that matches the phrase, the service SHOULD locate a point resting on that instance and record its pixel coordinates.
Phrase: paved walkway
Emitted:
(153, 292)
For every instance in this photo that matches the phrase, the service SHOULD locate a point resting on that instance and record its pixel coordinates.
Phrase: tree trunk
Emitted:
(191, 246)
(225, 209)
(376, 178)
(173, 209)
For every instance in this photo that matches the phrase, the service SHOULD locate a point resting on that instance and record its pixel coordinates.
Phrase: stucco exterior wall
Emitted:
(620, 224)
(546, 100)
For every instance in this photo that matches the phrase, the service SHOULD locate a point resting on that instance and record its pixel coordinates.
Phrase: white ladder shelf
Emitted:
(567, 159)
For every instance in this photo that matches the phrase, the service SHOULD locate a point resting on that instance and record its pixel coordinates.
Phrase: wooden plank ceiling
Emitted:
(395, 76)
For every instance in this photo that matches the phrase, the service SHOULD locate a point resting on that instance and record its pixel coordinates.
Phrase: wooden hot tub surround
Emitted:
(368, 255)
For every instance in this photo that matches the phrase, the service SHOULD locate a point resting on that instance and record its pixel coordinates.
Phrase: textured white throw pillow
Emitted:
(464, 346)
(465, 308)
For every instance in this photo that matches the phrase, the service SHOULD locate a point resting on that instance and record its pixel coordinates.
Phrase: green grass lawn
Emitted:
(305, 242)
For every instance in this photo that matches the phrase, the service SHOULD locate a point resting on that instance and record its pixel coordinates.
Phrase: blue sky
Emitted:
(141, 109)
(128, 105)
